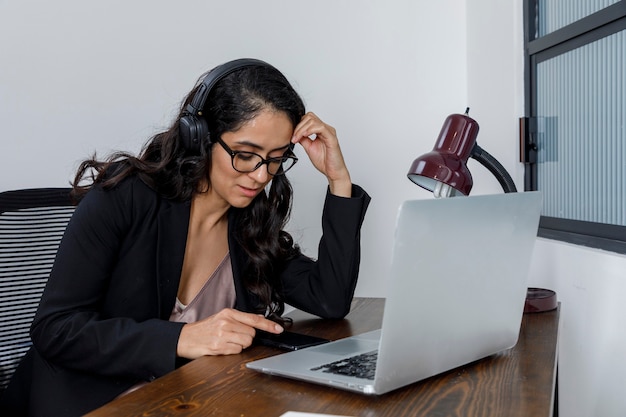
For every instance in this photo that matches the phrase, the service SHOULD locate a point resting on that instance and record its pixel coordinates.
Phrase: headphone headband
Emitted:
(193, 127)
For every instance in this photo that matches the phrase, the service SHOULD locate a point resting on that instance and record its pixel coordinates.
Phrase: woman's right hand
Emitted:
(324, 152)
(225, 333)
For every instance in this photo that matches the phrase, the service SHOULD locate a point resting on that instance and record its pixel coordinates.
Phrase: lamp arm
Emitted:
(494, 167)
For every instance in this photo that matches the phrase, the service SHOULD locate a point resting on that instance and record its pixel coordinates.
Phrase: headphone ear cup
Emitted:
(192, 130)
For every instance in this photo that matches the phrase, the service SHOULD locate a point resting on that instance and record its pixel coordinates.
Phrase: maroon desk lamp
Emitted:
(444, 172)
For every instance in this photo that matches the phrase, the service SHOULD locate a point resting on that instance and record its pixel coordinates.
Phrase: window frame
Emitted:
(603, 23)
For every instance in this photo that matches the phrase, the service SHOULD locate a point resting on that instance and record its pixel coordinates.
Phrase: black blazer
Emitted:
(102, 324)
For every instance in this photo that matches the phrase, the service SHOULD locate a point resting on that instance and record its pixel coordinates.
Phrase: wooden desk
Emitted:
(516, 382)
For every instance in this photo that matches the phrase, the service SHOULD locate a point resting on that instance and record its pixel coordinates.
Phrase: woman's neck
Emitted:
(207, 211)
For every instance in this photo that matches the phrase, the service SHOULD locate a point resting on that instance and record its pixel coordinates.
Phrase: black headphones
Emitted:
(193, 128)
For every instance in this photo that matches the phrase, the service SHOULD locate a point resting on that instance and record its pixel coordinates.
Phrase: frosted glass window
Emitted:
(555, 14)
(574, 130)
(581, 120)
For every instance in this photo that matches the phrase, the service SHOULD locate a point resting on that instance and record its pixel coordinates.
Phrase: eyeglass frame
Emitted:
(263, 160)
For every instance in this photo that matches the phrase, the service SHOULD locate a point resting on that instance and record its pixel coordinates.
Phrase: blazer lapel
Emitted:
(173, 225)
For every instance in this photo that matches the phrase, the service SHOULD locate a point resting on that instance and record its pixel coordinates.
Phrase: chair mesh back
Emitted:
(32, 223)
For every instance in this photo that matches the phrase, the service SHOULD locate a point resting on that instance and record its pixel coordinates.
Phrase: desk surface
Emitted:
(517, 382)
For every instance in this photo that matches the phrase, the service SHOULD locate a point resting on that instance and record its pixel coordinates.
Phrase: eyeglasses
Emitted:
(245, 162)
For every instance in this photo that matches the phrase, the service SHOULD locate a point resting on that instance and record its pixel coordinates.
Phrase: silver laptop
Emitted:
(456, 294)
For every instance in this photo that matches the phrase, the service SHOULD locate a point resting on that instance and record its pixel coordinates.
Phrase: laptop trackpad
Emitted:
(349, 346)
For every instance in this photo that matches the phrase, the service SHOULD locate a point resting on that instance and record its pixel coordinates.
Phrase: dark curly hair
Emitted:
(170, 169)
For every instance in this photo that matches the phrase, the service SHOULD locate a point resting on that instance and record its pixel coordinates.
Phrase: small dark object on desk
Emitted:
(539, 300)
(288, 340)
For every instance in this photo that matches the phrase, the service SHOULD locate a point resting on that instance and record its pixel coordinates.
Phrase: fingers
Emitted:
(255, 321)
(227, 332)
(320, 142)
(312, 127)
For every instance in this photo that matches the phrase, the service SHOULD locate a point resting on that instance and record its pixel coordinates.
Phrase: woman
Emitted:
(180, 252)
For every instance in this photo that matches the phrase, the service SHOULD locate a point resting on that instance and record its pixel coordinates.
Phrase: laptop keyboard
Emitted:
(361, 366)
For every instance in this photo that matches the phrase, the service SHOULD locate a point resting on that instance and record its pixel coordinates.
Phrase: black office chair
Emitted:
(32, 222)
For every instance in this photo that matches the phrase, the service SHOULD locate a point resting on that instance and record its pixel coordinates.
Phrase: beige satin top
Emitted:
(217, 294)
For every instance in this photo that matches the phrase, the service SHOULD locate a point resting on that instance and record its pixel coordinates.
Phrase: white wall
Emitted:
(592, 366)
(79, 76)
(590, 284)
(87, 76)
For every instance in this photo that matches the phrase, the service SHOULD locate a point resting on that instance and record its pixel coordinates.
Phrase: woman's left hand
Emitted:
(320, 142)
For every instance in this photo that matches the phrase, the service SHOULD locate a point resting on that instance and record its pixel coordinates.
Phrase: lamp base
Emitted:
(539, 300)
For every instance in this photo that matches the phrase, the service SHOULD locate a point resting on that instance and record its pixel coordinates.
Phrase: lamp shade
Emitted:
(445, 167)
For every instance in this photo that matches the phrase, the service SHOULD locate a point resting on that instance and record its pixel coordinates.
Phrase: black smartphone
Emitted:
(288, 340)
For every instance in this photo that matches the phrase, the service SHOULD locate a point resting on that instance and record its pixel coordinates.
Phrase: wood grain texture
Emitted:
(517, 382)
